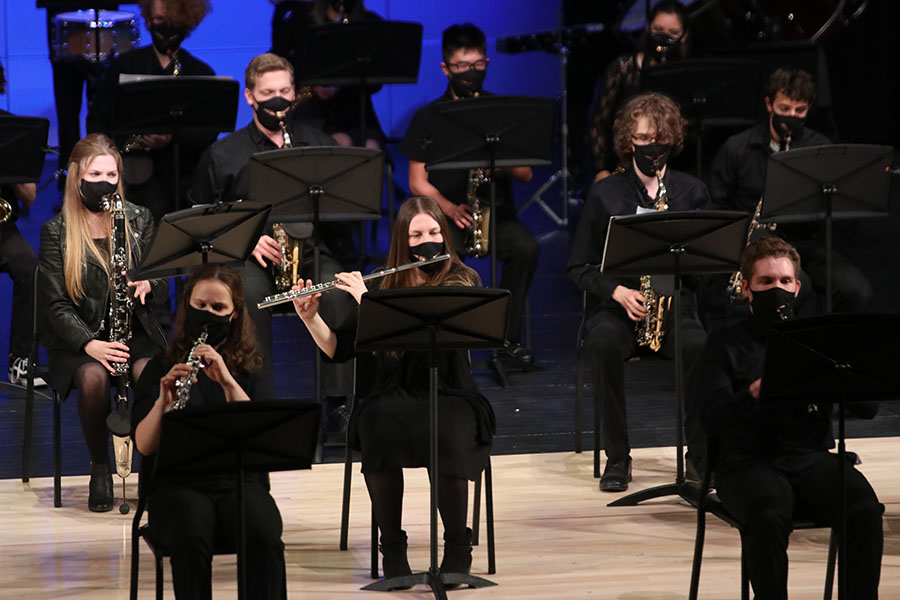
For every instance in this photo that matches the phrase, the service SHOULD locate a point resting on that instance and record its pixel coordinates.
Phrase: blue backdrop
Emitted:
(237, 30)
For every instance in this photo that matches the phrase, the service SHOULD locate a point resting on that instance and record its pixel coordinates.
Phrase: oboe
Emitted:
(270, 301)
(183, 385)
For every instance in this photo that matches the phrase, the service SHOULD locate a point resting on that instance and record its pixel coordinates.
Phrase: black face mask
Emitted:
(771, 305)
(467, 83)
(787, 127)
(167, 39)
(660, 47)
(276, 104)
(427, 250)
(651, 158)
(93, 191)
(216, 326)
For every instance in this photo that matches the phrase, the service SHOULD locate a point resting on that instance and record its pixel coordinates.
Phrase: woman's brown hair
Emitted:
(662, 112)
(240, 349)
(186, 14)
(451, 272)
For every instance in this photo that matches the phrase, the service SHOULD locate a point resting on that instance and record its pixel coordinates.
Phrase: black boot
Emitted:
(100, 496)
(393, 551)
(457, 553)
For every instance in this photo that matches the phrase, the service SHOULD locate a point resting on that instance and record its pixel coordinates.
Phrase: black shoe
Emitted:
(616, 475)
(457, 553)
(100, 496)
(394, 561)
(521, 354)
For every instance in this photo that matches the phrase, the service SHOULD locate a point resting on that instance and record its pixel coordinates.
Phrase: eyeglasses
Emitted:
(463, 65)
(674, 34)
(643, 138)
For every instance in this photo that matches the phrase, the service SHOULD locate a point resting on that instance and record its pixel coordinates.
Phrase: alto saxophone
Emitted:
(477, 236)
(183, 385)
(6, 210)
(288, 271)
(651, 328)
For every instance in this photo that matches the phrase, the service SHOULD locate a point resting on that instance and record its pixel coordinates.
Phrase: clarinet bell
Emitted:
(119, 422)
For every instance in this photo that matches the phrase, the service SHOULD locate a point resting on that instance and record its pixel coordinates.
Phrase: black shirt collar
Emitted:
(261, 140)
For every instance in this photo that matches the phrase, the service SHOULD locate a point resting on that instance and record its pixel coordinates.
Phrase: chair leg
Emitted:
(476, 510)
(829, 573)
(159, 576)
(29, 414)
(57, 451)
(135, 566)
(596, 440)
(745, 576)
(489, 514)
(699, 539)
(373, 568)
(345, 503)
(579, 402)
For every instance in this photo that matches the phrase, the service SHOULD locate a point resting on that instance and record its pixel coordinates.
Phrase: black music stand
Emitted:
(218, 233)
(489, 132)
(319, 183)
(22, 143)
(710, 92)
(175, 105)
(833, 358)
(674, 243)
(237, 438)
(432, 319)
(849, 181)
(362, 54)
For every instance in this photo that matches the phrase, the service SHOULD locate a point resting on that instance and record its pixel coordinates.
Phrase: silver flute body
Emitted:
(283, 297)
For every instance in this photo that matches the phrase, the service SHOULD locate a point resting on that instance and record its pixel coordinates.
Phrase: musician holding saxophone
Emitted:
(391, 422)
(213, 359)
(76, 276)
(647, 130)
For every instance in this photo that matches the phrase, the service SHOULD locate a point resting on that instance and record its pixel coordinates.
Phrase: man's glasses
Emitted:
(479, 65)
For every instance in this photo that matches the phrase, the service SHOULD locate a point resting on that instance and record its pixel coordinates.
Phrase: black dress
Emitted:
(391, 423)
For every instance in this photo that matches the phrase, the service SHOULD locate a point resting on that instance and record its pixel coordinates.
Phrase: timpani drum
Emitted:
(78, 35)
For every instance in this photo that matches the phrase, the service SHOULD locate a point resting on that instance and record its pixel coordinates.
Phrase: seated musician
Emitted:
(75, 272)
(18, 260)
(738, 175)
(648, 129)
(465, 65)
(192, 517)
(391, 423)
(773, 461)
(149, 158)
(222, 174)
(665, 38)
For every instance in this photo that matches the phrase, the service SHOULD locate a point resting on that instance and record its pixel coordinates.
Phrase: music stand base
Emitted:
(495, 364)
(537, 198)
(682, 490)
(435, 580)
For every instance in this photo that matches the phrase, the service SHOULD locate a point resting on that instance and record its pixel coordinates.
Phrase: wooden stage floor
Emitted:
(556, 538)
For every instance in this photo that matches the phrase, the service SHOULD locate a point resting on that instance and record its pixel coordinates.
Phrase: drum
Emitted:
(78, 35)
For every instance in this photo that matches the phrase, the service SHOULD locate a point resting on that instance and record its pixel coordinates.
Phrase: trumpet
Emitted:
(270, 301)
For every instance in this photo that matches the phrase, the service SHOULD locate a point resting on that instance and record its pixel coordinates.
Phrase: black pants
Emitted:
(69, 79)
(192, 523)
(765, 496)
(18, 259)
(518, 252)
(610, 341)
(337, 378)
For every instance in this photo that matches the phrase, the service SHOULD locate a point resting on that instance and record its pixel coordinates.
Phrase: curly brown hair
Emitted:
(240, 349)
(183, 14)
(663, 114)
(764, 248)
(452, 272)
(796, 84)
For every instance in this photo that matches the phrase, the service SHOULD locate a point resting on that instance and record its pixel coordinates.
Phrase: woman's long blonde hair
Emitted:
(79, 244)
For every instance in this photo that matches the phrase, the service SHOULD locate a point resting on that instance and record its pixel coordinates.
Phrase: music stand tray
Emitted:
(22, 143)
(218, 233)
(674, 243)
(848, 181)
(432, 319)
(238, 438)
(833, 358)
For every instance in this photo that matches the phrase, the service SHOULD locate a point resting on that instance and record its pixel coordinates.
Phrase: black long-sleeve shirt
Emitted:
(624, 194)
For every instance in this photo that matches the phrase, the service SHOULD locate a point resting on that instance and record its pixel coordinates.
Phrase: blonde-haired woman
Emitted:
(75, 281)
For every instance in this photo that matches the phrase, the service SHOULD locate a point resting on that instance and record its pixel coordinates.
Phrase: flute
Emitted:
(283, 297)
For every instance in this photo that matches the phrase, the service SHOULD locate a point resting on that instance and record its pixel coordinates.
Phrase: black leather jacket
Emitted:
(70, 326)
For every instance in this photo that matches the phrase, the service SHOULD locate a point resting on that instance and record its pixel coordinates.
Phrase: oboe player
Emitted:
(75, 272)
(189, 517)
(647, 130)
